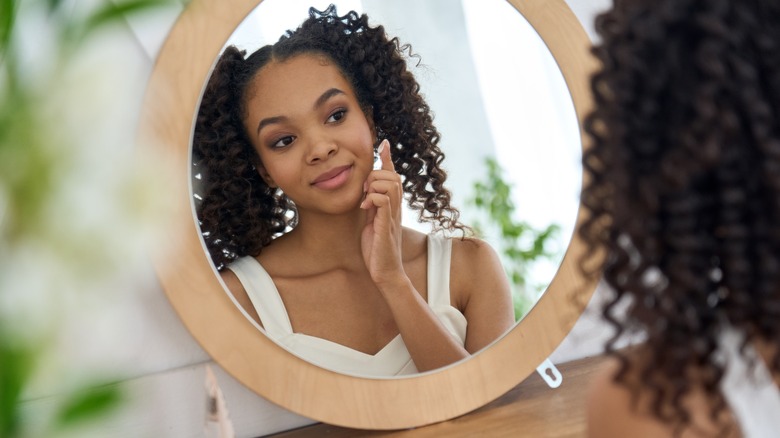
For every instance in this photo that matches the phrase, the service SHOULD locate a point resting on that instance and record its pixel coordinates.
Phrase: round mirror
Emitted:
(544, 153)
(501, 136)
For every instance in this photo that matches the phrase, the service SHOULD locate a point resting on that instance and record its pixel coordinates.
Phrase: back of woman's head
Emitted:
(684, 191)
(239, 213)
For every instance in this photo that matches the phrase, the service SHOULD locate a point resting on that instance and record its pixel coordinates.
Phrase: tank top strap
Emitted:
(439, 255)
(264, 296)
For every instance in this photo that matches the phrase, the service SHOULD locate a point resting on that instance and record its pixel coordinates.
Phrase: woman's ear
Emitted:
(265, 176)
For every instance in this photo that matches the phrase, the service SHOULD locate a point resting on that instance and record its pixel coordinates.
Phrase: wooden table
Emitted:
(531, 409)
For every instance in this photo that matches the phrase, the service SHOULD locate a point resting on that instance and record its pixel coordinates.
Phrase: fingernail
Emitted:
(382, 146)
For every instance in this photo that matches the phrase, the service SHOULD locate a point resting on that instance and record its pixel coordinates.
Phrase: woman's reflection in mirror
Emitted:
(684, 197)
(307, 234)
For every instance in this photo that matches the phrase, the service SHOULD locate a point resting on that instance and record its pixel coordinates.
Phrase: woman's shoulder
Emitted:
(476, 254)
(465, 250)
(610, 411)
(475, 267)
(618, 410)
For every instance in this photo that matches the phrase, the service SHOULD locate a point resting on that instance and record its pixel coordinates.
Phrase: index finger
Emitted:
(384, 154)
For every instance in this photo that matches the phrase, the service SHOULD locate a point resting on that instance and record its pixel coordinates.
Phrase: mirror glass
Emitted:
(508, 126)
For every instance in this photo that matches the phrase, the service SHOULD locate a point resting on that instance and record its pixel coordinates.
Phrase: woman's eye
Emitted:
(336, 116)
(282, 142)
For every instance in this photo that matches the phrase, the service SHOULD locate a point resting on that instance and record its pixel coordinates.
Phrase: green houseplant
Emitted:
(518, 243)
(59, 213)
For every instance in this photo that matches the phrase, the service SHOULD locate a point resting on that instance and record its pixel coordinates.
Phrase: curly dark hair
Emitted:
(238, 212)
(684, 187)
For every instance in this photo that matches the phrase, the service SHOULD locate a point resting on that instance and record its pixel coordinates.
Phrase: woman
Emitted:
(684, 198)
(307, 235)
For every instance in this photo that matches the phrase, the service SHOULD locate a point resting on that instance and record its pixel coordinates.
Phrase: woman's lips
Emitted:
(333, 178)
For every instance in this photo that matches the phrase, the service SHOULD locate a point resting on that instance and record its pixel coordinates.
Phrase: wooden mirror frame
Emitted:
(214, 319)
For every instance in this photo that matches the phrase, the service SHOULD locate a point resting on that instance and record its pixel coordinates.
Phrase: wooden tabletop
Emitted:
(530, 409)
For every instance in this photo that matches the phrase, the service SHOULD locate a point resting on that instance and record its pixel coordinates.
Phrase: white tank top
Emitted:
(392, 360)
(754, 398)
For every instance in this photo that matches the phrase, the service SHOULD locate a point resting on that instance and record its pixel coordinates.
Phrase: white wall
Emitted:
(161, 363)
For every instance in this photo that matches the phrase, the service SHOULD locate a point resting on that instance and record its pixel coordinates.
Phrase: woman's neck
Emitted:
(336, 237)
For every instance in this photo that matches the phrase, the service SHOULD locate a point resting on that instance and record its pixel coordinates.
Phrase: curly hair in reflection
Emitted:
(239, 214)
(684, 187)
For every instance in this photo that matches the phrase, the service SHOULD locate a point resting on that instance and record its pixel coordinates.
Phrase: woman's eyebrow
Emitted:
(327, 95)
(319, 102)
(268, 121)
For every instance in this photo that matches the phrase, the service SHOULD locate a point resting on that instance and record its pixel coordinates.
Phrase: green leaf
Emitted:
(7, 18)
(16, 365)
(518, 279)
(89, 404)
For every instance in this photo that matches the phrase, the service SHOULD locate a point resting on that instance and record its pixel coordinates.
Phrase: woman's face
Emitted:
(313, 139)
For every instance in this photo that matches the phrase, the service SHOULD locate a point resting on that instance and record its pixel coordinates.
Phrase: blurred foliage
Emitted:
(36, 161)
(87, 404)
(16, 364)
(520, 244)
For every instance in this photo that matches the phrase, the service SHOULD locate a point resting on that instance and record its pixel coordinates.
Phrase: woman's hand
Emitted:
(381, 239)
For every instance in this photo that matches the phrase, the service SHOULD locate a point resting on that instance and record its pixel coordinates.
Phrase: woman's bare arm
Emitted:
(481, 290)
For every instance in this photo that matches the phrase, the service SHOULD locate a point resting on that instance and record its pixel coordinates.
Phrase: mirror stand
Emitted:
(550, 374)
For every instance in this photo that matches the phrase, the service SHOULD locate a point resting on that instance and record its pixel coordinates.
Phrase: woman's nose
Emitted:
(322, 149)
